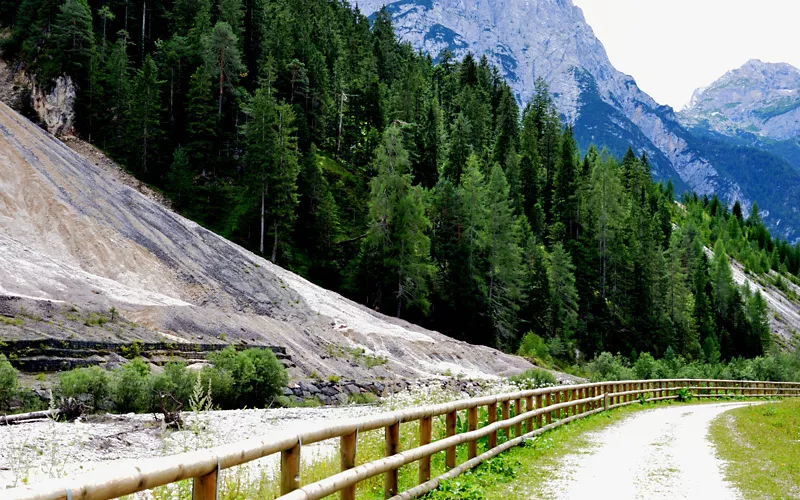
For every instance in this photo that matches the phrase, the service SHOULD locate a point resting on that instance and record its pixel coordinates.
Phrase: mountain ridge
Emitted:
(528, 39)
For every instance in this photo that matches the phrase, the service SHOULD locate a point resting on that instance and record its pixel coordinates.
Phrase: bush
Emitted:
(534, 378)
(9, 382)
(177, 381)
(645, 366)
(606, 366)
(533, 346)
(219, 384)
(257, 376)
(132, 387)
(88, 385)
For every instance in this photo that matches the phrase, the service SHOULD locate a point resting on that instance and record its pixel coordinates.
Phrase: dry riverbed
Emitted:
(36, 451)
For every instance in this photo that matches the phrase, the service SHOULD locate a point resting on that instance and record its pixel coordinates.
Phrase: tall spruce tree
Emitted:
(396, 237)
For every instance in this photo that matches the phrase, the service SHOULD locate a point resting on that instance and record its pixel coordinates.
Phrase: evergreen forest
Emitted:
(305, 132)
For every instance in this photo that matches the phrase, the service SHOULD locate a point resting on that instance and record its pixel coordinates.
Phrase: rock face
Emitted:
(528, 39)
(74, 237)
(56, 109)
(759, 98)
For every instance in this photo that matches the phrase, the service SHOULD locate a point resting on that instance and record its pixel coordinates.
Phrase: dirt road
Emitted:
(658, 454)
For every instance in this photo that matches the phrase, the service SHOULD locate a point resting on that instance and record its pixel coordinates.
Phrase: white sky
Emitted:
(672, 47)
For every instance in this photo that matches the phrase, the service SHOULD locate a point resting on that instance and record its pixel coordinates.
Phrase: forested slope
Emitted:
(300, 131)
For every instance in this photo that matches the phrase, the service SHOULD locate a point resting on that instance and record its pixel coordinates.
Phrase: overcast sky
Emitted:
(671, 47)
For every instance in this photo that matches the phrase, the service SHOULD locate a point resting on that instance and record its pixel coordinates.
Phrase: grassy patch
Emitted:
(762, 447)
(522, 472)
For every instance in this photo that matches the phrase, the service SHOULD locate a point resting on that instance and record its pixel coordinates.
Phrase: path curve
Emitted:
(658, 454)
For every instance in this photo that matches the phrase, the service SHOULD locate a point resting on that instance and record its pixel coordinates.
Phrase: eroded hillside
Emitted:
(73, 236)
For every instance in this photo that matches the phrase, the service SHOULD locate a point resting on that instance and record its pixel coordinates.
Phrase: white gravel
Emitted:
(659, 454)
(37, 451)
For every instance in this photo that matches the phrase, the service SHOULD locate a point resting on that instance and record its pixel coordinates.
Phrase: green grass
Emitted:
(762, 447)
(522, 472)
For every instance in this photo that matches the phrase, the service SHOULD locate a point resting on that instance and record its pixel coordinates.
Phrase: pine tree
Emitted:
(74, 38)
(396, 236)
(563, 295)
(565, 200)
(504, 258)
(180, 179)
(144, 120)
(232, 12)
(223, 58)
(200, 119)
(426, 172)
(118, 91)
(460, 150)
(272, 161)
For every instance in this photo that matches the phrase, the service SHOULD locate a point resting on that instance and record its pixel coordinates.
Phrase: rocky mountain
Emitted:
(528, 39)
(759, 98)
(88, 264)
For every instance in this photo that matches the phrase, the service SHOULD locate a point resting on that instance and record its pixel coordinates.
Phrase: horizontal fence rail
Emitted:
(534, 412)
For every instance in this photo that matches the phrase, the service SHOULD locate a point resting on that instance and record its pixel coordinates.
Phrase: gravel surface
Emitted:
(37, 451)
(657, 454)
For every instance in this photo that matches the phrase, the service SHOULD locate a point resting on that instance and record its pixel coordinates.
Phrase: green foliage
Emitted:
(91, 385)
(9, 382)
(684, 394)
(534, 378)
(309, 133)
(176, 381)
(131, 387)
(132, 351)
(250, 378)
(533, 346)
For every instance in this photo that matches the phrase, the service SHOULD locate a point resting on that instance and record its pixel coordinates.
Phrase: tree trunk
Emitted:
(144, 17)
(275, 242)
(263, 195)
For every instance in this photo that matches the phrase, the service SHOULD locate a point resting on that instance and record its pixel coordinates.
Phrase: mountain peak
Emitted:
(759, 97)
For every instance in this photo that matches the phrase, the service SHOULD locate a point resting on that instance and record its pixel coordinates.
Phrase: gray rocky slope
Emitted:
(528, 39)
(759, 98)
(74, 239)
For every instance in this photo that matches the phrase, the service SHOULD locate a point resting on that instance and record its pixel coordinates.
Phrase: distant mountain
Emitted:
(528, 39)
(759, 98)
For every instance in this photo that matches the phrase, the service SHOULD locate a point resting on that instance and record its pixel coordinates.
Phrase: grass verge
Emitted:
(761, 445)
(522, 472)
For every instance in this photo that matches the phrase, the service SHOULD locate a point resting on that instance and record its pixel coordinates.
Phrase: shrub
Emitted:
(219, 384)
(645, 366)
(533, 346)
(176, 380)
(9, 382)
(89, 385)
(257, 376)
(534, 378)
(606, 366)
(132, 387)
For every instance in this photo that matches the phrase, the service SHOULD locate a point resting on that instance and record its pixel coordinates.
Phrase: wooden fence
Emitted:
(534, 412)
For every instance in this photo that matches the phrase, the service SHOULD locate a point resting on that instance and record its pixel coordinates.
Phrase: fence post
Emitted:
(392, 448)
(424, 438)
(539, 405)
(492, 418)
(517, 412)
(506, 414)
(529, 406)
(290, 469)
(575, 398)
(472, 425)
(605, 397)
(450, 454)
(347, 458)
(205, 487)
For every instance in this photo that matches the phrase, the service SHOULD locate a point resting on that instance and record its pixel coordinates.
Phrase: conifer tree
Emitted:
(272, 160)
(200, 118)
(563, 295)
(396, 237)
(223, 58)
(460, 150)
(145, 118)
(504, 257)
(180, 178)
(74, 38)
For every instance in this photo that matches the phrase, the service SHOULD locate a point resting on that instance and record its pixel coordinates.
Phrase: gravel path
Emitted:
(657, 454)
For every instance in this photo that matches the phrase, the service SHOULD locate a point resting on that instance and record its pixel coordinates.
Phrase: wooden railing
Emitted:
(535, 412)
